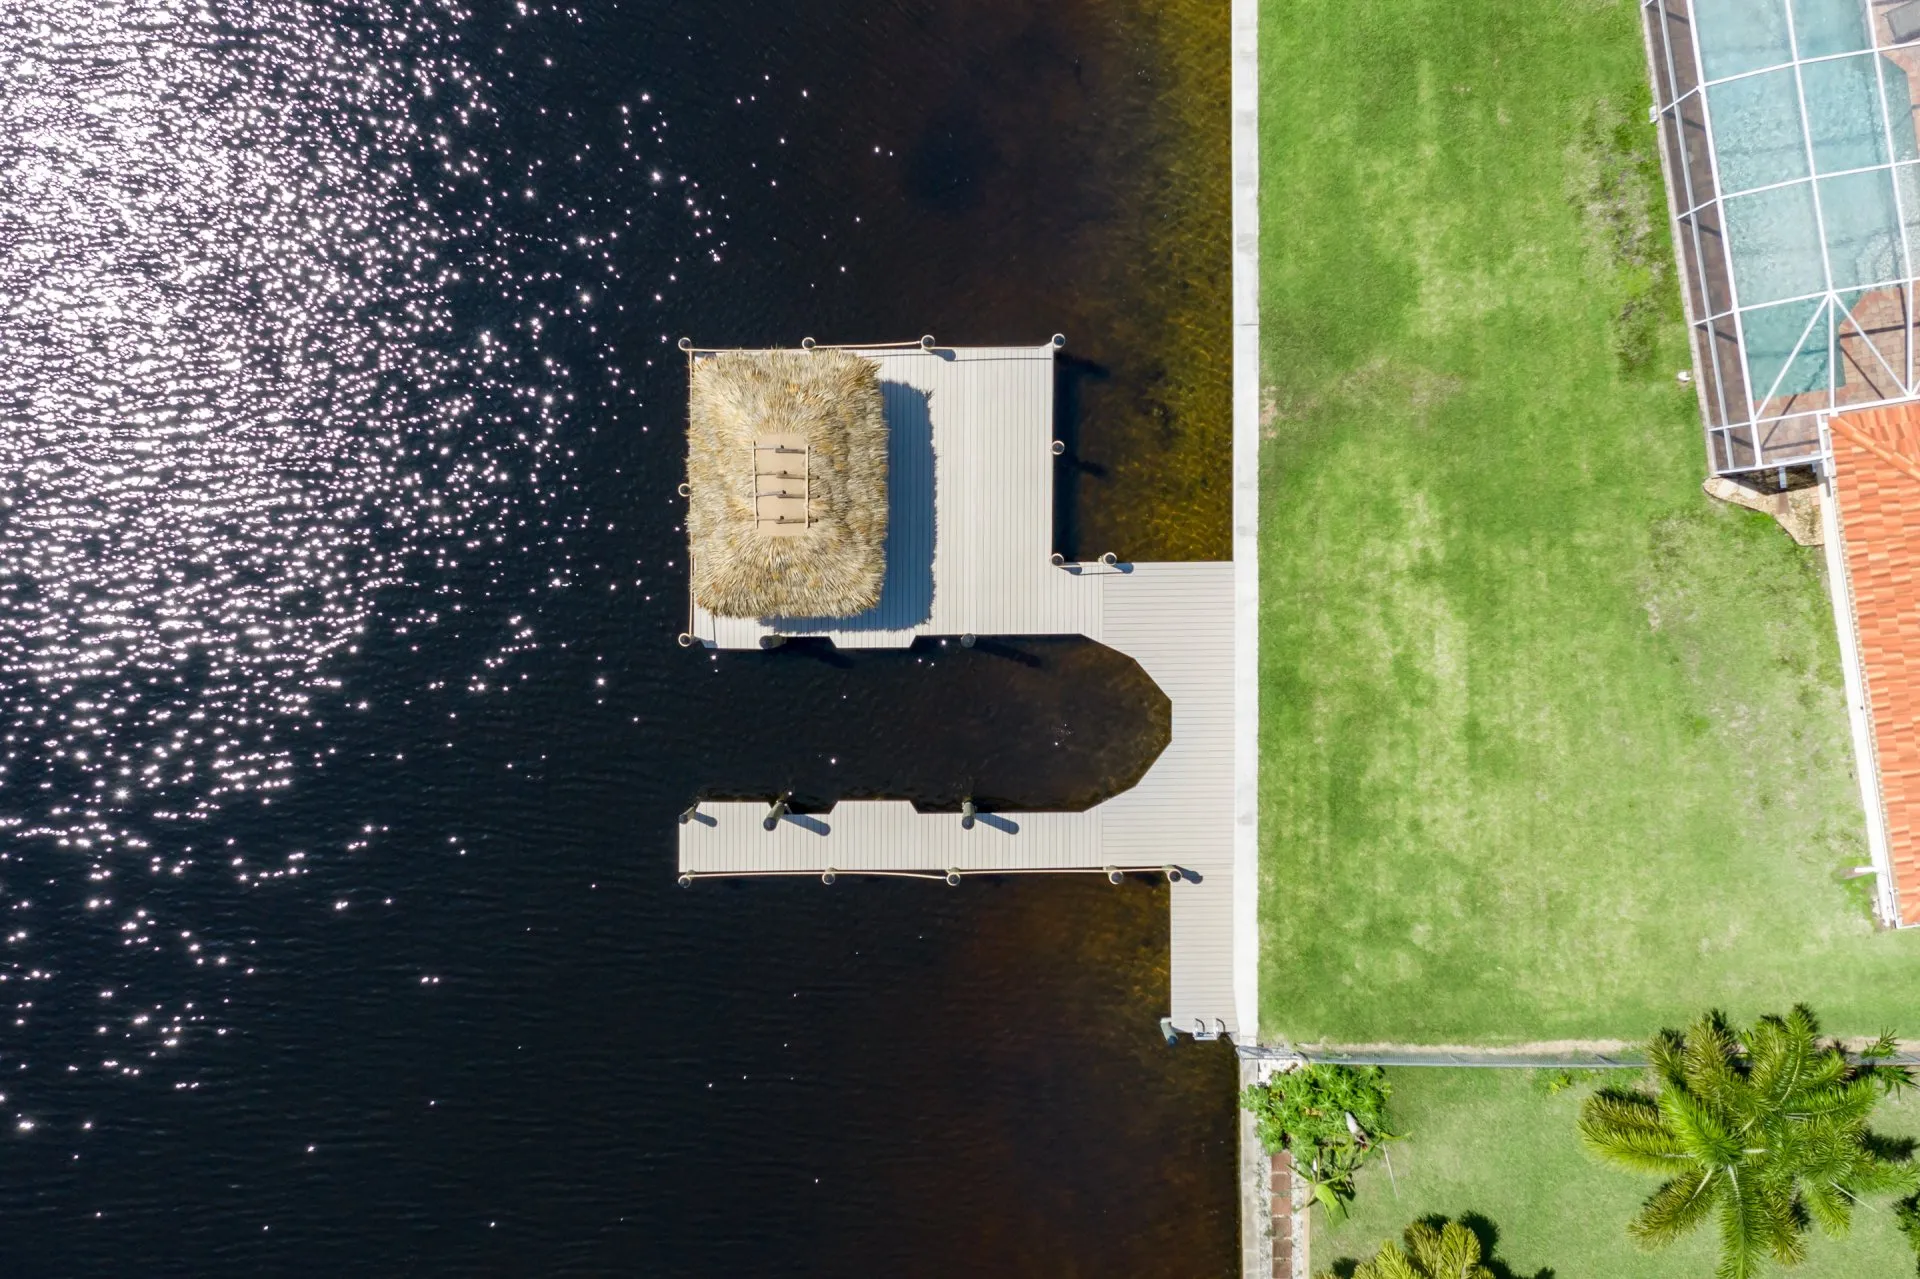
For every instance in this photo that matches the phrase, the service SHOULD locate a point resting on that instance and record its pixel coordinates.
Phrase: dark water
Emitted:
(339, 574)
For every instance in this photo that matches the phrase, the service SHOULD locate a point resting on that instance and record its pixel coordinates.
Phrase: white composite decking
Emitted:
(970, 509)
(1176, 620)
(970, 534)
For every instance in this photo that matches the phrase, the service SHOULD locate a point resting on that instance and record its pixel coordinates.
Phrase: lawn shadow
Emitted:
(1489, 1236)
(1897, 1150)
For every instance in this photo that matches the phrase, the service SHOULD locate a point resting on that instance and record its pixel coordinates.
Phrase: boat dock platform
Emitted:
(969, 552)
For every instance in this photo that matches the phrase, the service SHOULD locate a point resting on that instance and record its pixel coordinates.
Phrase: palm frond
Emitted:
(1677, 1207)
(1629, 1130)
(1830, 1207)
(1710, 1059)
(1699, 1130)
(1448, 1251)
(1739, 1238)
(1663, 1055)
(1389, 1263)
(1780, 1052)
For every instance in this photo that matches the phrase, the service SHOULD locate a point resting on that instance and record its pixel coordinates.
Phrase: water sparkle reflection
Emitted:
(235, 406)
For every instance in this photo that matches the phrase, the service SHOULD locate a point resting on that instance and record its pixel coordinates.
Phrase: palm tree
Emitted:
(1766, 1131)
(1438, 1249)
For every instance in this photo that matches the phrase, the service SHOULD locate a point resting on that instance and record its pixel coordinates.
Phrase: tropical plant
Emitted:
(1763, 1130)
(1433, 1249)
(1311, 1105)
(1328, 1173)
(1329, 1117)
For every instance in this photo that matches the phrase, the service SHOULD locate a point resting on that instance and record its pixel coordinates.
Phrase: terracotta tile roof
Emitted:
(1876, 479)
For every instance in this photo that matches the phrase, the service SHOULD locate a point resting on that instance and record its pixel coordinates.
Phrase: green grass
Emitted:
(1492, 1142)
(1552, 746)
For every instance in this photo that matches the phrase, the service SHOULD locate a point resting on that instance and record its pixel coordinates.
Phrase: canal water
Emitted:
(341, 724)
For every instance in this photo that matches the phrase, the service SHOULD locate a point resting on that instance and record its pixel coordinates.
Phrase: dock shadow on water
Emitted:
(1016, 724)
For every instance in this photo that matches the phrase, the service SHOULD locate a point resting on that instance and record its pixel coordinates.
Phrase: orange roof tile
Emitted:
(1876, 480)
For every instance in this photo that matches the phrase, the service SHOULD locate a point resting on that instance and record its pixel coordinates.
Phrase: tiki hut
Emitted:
(787, 478)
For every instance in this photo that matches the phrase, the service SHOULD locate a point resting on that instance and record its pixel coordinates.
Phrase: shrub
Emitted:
(1329, 1117)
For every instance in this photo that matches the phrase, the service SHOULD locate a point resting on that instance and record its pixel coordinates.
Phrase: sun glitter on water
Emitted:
(234, 407)
(298, 339)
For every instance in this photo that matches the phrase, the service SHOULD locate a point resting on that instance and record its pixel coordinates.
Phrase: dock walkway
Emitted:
(969, 540)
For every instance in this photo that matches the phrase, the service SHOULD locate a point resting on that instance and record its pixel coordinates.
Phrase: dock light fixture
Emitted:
(686, 344)
(967, 813)
(1114, 876)
(690, 814)
(1109, 559)
(926, 342)
(953, 877)
(1172, 873)
(775, 812)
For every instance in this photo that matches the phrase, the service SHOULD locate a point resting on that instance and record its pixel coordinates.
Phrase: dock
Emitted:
(969, 553)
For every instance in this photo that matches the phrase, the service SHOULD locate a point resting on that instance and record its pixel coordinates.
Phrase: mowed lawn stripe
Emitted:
(1551, 745)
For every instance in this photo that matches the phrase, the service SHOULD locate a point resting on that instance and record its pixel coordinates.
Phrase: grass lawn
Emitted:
(1493, 1142)
(1552, 746)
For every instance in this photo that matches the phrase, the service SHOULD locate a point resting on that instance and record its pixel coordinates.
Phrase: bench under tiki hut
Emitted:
(787, 483)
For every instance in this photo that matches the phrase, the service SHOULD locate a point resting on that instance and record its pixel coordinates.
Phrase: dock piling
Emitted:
(967, 813)
(953, 877)
(775, 812)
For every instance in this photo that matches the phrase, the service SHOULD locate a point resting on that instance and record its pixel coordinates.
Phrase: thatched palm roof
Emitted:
(746, 564)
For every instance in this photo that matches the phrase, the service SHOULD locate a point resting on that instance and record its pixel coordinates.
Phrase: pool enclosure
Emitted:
(1794, 171)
